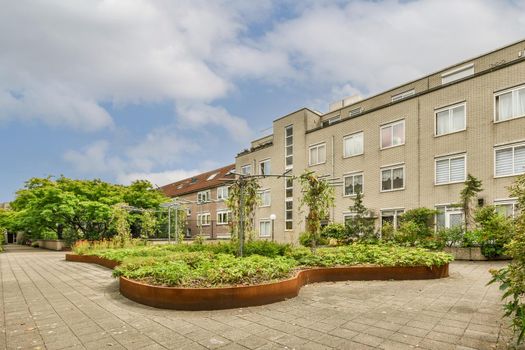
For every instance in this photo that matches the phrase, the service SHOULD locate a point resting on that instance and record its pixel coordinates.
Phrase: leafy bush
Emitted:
(512, 277)
(451, 237)
(334, 230)
(387, 232)
(266, 248)
(306, 240)
(495, 230)
(35, 244)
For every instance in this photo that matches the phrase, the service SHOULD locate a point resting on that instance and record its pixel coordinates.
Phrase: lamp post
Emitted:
(273, 217)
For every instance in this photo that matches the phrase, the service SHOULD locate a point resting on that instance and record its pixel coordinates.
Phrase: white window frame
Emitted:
(220, 192)
(452, 75)
(353, 174)
(316, 147)
(391, 126)
(286, 200)
(221, 213)
(349, 137)
(508, 201)
(266, 222)
(262, 192)
(246, 166)
(397, 212)
(448, 209)
(331, 120)
(286, 155)
(450, 108)
(403, 95)
(206, 194)
(262, 163)
(200, 220)
(501, 147)
(513, 91)
(449, 158)
(392, 168)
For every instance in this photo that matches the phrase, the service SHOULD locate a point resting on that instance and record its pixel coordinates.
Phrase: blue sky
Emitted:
(128, 89)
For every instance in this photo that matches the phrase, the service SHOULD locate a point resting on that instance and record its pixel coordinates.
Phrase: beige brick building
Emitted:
(407, 147)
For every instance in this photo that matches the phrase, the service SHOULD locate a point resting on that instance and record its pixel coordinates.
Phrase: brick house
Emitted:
(204, 196)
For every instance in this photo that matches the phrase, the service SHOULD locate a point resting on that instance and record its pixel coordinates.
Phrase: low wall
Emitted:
(470, 253)
(244, 296)
(52, 244)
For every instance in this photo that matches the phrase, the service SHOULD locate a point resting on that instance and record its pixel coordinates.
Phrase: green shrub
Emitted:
(35, 244)
(387, 232)
(451, 237)
(334, 230)
(494, 231)
(306, 240)
(265, 248)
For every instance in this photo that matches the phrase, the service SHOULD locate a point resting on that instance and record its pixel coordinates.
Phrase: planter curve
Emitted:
(244, 296)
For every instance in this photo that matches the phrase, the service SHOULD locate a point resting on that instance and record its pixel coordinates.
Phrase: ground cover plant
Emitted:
(215, 265)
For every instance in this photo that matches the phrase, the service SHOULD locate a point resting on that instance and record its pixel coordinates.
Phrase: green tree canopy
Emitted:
(47, 207)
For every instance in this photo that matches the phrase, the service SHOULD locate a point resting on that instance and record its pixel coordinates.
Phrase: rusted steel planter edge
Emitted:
(244, 296)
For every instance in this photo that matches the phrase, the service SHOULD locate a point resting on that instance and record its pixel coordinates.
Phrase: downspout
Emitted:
(418, 154)
(333, 173)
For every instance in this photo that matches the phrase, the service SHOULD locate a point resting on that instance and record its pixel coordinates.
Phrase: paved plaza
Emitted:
(48, 303)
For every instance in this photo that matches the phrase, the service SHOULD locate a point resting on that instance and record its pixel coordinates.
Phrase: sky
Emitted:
(160, 90)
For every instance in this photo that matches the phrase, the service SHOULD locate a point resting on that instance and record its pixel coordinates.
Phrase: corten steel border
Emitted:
(110, 264)
(244, 296)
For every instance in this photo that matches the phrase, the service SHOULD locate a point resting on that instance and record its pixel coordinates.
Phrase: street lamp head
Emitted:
(273, 217)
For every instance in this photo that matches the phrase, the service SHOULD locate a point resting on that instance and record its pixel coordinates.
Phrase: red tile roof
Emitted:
(200, 182)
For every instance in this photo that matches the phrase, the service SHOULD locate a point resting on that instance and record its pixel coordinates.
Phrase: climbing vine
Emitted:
(250, 197)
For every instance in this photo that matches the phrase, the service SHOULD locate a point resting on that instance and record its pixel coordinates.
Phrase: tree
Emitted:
(361, 224)
(470, 190)
(46, 207)
(318, 196)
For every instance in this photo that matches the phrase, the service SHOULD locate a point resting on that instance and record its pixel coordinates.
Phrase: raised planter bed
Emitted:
(470, 253)
(243, 296)
(52, 244)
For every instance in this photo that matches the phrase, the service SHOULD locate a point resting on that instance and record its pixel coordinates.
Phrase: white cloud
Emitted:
(63, 59)
(157, 178)
(207, 118)
(377, 45)
(94, 159)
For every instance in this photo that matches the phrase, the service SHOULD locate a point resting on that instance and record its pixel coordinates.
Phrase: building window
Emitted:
(391, 216)
(458, 73)
(393, 178)
(507, 207)
(355, 111)
(265, 228)
(222, 193)
(510, 104)
(265, 198)
(450, 119)
(203, 219)
(223, 217)
(317, 154)
(332, 120)
(451, 169)
(449, 216)
(403, 95)
(188, 211)
(246, 169)
(288, 146)
(204, 196)
(353, 144)
(264, 167)
(288, 215)
(393, 134)
(509, 160)
(353, 184)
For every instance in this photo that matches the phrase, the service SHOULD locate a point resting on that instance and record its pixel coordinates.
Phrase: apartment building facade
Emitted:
(203, 198)
(408, 147)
